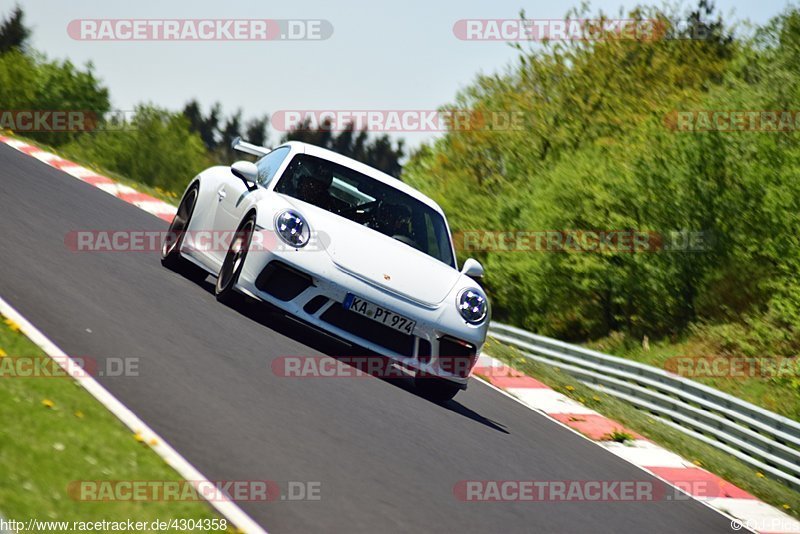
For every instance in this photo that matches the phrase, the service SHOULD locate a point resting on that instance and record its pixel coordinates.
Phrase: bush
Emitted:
(156, 148)
(30, 82)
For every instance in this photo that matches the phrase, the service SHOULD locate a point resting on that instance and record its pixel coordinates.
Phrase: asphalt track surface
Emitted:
(387, 459)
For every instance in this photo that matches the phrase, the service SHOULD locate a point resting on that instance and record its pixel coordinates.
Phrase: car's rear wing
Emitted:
(249, 148)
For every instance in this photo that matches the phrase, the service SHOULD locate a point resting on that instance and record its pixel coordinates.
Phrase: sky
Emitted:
(392, 55)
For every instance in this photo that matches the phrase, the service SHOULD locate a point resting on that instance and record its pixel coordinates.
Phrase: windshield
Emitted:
(367, 201)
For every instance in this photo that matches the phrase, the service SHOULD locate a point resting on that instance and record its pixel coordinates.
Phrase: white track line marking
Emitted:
(46, 157)
(645, 453)
(549, 401)
(155, 207)
(224, 506)
(15, 143)
(77, 171)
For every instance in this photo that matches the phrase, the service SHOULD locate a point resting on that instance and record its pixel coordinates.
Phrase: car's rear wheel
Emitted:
(435, 389)
(171, 245)
(234, 261)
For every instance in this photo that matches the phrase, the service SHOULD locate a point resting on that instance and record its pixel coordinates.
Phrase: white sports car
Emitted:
(343, 247)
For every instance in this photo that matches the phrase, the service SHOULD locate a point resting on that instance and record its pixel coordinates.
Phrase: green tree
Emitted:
(157, 148)
(256, 131)
(597, 151)
(379, 152)
(31, 82)
(14, 34)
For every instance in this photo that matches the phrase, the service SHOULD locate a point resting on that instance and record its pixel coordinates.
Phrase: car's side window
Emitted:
(269, 164)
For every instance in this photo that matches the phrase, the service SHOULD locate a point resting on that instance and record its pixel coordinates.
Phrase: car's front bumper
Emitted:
(308, 285)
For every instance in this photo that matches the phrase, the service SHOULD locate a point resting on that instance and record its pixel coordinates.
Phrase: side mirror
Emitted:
(246, 170)
(472, 268)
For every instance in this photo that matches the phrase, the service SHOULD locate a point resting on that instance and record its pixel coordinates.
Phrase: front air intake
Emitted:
(282, 282)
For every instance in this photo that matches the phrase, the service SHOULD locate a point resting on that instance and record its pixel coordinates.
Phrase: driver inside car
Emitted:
(313, 186)
(395, 221)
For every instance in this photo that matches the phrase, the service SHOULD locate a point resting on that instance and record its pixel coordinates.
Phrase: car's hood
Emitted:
(379, 259)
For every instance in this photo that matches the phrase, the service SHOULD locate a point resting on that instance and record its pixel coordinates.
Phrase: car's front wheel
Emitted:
(234, 261)
(435, 389)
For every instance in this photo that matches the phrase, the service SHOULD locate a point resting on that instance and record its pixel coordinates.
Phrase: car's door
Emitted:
(230, 198)
(234, 198)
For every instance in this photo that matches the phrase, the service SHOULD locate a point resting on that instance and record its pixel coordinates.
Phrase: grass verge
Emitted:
(53, 433)
(702, 454)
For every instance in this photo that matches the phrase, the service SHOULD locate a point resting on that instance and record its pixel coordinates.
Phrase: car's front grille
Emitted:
(282, 282)
(369, 330)
(456, 356)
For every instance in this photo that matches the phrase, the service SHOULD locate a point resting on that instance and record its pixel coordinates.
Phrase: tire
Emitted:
(435, 389)
(170, 247)
(234, 261)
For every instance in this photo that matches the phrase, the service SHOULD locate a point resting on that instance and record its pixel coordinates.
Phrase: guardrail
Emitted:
(763, 439)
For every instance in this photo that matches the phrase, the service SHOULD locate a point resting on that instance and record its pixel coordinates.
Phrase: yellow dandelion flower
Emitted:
(47, 403)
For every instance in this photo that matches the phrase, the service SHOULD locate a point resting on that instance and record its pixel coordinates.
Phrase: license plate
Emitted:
(376, 313)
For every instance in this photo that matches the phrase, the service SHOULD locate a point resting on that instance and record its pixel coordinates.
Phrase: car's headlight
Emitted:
(473, 306)
(292, 228)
